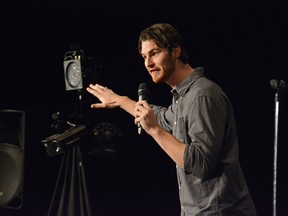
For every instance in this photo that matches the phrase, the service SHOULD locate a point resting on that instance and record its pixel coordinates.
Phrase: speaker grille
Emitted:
(12, 137)
(11, 162)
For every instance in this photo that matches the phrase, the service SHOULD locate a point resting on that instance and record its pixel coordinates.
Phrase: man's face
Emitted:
(158, 61)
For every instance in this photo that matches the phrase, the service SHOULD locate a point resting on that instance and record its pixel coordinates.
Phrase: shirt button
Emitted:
(176, 101)
(175, 122)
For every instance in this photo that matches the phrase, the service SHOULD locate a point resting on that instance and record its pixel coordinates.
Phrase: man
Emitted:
(197, 130)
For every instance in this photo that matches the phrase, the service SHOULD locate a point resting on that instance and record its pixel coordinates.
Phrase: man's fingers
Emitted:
(103, 105)
(97, 106)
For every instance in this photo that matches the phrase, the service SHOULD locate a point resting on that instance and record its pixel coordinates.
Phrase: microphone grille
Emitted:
(143, 89)
(142, 86)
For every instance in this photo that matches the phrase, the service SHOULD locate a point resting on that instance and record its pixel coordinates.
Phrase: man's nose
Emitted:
(149, 62)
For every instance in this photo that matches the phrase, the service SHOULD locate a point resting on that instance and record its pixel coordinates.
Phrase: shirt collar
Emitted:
(188, 81)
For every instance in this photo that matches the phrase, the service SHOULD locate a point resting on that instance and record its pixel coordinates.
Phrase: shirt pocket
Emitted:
(179, 130)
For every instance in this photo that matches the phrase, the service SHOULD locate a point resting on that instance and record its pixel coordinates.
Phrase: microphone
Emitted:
(143, 93)
(277, 85)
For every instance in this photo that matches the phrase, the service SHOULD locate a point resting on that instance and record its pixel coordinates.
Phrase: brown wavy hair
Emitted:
(165, 36)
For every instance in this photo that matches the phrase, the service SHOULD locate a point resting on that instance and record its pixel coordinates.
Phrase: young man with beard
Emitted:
(197, 130)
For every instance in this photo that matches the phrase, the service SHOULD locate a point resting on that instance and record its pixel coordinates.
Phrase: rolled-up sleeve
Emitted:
(206, 128)
(164, 116)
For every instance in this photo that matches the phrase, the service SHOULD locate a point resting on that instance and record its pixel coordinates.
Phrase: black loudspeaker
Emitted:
(12, 139)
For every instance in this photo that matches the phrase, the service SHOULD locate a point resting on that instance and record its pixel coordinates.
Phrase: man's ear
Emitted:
(177, 51)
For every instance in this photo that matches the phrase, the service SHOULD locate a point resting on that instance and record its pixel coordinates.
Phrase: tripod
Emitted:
(70, 197)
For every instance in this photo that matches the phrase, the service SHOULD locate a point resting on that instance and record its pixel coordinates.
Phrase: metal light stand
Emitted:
(278, 86)
(71, 196)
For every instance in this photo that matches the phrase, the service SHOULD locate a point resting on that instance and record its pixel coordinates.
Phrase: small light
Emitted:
(73, 70)
(73, 74)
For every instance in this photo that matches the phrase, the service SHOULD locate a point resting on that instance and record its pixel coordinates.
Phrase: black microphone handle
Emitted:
(139, 128)
(141, 97)
(143, 93)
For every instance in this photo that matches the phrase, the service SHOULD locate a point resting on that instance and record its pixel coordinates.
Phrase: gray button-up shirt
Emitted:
(201, 116)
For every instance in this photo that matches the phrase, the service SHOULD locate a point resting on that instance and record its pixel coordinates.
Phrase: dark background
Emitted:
(241, 44)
